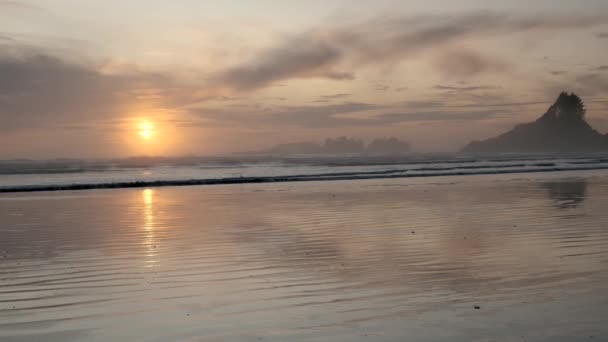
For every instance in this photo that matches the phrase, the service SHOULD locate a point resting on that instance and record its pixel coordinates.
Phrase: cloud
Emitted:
(422, 104)
(439, 116)
(602, 35)
(380, 87)
(501, 104)
(303, 56)
(39, 90)
(602, 67)
(327, 51)
(334, 96)
(593, 83)
(353, 114)
(222, 98)
(463, 88)
(321, 116)
(6, 38)
(19, 5)
(558, 72)
(318, 116)
(466, 63)
(44, 91)
(331, 98)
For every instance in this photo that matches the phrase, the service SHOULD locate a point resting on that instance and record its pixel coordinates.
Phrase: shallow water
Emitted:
(366, 260)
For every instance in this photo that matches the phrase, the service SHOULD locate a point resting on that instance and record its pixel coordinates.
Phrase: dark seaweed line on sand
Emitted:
(279, 179)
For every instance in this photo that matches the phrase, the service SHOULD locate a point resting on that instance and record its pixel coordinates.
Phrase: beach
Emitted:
(498, 257)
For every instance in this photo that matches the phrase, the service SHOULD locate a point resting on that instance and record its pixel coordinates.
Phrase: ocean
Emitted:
(75, 174)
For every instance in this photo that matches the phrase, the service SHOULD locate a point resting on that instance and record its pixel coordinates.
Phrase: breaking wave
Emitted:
(81, 175)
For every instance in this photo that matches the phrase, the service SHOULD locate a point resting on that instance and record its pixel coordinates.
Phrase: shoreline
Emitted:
(278, 179)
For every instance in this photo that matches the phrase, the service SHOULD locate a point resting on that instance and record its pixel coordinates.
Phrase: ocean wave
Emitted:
(432, 160)
(403, 173)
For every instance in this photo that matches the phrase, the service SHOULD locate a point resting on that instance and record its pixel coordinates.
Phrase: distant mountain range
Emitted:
(343, 145)
(561, 129)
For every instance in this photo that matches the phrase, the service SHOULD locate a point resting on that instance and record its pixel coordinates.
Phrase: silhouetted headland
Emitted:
(562, 128)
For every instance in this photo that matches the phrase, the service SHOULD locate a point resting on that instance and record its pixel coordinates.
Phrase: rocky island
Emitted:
(562, 128)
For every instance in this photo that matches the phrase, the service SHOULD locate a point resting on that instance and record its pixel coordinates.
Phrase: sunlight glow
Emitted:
(146, 130)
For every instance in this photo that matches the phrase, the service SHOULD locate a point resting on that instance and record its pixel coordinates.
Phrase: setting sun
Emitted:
(146, 130)
(149, 134)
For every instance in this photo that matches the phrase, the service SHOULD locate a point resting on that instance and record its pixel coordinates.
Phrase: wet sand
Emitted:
(477, 258)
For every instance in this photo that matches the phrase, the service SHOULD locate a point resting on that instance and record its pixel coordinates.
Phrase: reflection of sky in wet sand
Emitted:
(567, 194)
(373, 260)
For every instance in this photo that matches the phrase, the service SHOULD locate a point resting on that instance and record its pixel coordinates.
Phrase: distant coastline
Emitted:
(341, 145)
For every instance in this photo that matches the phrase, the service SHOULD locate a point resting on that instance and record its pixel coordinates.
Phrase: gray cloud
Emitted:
(325, 116)
(602, 35)
(322, 116)
(327, 51)
(602, 67)
(39, 90)
(334, 96)
(466, 63)
(585, 85)
(225, 98)
(501, 104)
(298, 57)
(558, 72)
(440, 116)
(593, 83)
(303, 116)
(463, 88)
(380, 87)
(19, 5)
(331, 98)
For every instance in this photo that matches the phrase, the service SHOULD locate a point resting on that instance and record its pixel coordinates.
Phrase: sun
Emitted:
(146, 130)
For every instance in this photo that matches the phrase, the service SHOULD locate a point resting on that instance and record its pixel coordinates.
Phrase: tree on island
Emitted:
(567, 107)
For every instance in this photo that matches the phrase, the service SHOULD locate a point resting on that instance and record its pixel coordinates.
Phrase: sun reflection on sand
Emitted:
(148, 227)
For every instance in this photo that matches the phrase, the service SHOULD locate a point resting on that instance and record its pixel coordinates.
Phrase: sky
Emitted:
(93, 78)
